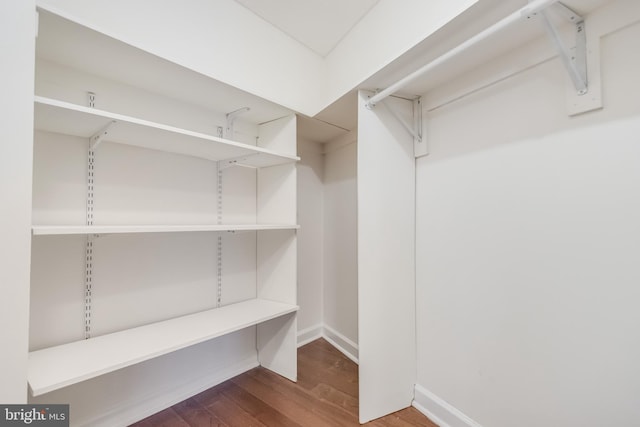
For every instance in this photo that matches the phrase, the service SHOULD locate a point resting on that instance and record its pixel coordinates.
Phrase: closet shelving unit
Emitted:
(273, 306)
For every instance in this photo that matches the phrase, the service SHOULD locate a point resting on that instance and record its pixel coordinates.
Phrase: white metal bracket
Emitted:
(581, 62)
(420, 147)
(415, 128)
(574, 61)
(231, 118)
(91, 99)
(236, 161)
(97, 137)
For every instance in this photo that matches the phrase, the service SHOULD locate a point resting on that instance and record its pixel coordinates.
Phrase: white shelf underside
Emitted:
(44, 230)
(56, 367)
(70, 119)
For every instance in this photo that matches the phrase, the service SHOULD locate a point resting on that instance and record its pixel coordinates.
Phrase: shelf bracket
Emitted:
(91, 99)
(415, 129)
(236, 161)
(97, 137)
(231, 118)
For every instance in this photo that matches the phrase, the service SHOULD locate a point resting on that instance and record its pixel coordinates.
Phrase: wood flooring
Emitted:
(326, 395)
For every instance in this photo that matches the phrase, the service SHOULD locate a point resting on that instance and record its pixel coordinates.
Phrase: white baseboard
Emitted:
(340, 342)
(307, 335)
(343, 344)
(439, 411)
(153, 403)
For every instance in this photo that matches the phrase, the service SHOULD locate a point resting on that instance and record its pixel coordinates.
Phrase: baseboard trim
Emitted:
(307, 335)
(153, 403)
(343, 344)
(439, 411)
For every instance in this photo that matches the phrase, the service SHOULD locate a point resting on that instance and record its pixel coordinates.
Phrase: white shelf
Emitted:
(56, 367)
(63, 117)
(47, 230)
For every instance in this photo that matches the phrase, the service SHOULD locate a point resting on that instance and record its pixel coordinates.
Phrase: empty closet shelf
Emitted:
(43, 230)
(62, 117)
(60, 366)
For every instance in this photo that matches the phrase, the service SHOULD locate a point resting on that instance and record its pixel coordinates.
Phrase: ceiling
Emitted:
(319, 25)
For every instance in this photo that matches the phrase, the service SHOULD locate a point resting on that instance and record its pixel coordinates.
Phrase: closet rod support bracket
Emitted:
(575, 62)
(574, 58)
(420, 147)
(415, 128)
(581, 60)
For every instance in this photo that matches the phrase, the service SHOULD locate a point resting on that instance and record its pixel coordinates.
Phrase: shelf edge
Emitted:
(74, 379)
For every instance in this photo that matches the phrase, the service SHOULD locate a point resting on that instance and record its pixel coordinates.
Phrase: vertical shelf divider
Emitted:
(276, 252)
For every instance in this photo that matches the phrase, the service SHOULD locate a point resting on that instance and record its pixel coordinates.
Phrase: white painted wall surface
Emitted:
(528, 247)
(17, 44)
(340, 239)
(310, 171)
(223, 40)
(391, 28)
(220, 39)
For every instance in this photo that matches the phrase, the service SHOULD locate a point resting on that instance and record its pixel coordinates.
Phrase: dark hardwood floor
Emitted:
(326, 395)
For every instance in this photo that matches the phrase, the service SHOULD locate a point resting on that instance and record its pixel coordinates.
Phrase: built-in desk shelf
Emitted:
(62, 117)
(47, 230)
(60, 366)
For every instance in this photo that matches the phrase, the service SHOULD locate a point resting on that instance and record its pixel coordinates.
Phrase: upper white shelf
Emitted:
(56, 367)
(71, 119)
(45, 230)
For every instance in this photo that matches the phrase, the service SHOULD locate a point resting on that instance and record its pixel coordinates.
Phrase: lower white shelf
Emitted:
(44, 230)
(56, 367)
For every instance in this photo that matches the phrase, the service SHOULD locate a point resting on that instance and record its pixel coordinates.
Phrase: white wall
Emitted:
(220, 39)
(327, 239)
(527, 248)
(17, 43)
(391, 28)
(223, 40)
(340, 243)
(310, 171)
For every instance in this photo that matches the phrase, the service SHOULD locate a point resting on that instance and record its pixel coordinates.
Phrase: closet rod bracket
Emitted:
(415, 128)
(574, 59)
